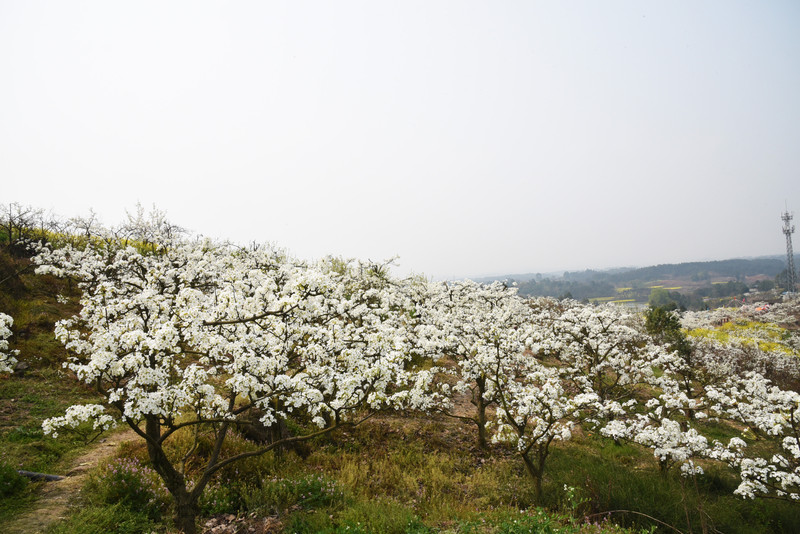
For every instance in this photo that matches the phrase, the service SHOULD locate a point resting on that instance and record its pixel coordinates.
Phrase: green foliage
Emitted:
(373, 516)
(222, 499)
(727, 289)
(538, 521)
(661, 324)
(665, 328)
(660, 299)
(674, 300)
(129, 483)
(529, 524)
(309, 492)
(765, 285)
(11, 482)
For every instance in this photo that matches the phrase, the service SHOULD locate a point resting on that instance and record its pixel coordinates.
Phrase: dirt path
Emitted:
(55, 497)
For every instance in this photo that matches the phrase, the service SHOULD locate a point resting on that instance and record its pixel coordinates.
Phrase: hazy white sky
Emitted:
(468, 138)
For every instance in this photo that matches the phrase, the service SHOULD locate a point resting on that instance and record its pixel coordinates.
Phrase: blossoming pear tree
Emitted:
(602, 350)
(492, 338)
(7, 359)
(480, 323)
(535, 410)
(660, 428)
(184, 335)
(768, 412)
(605, 351)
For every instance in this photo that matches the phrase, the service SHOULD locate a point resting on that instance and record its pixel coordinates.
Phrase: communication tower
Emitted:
(788, 230)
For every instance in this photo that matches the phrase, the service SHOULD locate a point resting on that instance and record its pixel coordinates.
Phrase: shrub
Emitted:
(125, 481)
(309, 492)
(11, 482)
(222, 499)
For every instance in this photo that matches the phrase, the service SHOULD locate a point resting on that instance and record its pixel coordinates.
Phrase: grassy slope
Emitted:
(41, 391)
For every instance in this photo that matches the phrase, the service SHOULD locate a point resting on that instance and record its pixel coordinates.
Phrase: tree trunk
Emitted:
(186, 505)
(482, 425)
(186, 510)
(481, 420)
(536, 474)
(663, 467)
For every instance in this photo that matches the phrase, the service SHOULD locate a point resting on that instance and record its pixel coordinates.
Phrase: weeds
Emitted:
(126, 482)
(11, 482)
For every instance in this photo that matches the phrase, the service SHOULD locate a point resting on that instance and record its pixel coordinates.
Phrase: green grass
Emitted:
(105, 519)
(24, 403)
(610, 477)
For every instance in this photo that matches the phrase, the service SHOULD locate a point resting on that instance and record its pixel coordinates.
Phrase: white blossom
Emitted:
(7, 359)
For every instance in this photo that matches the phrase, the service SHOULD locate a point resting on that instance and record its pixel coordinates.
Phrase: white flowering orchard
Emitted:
(182, 333)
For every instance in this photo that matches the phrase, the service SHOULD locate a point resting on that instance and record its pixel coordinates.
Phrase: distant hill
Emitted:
(690, 284)
(767, 265)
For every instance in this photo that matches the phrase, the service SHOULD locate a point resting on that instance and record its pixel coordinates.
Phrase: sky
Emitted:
(467, 138)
